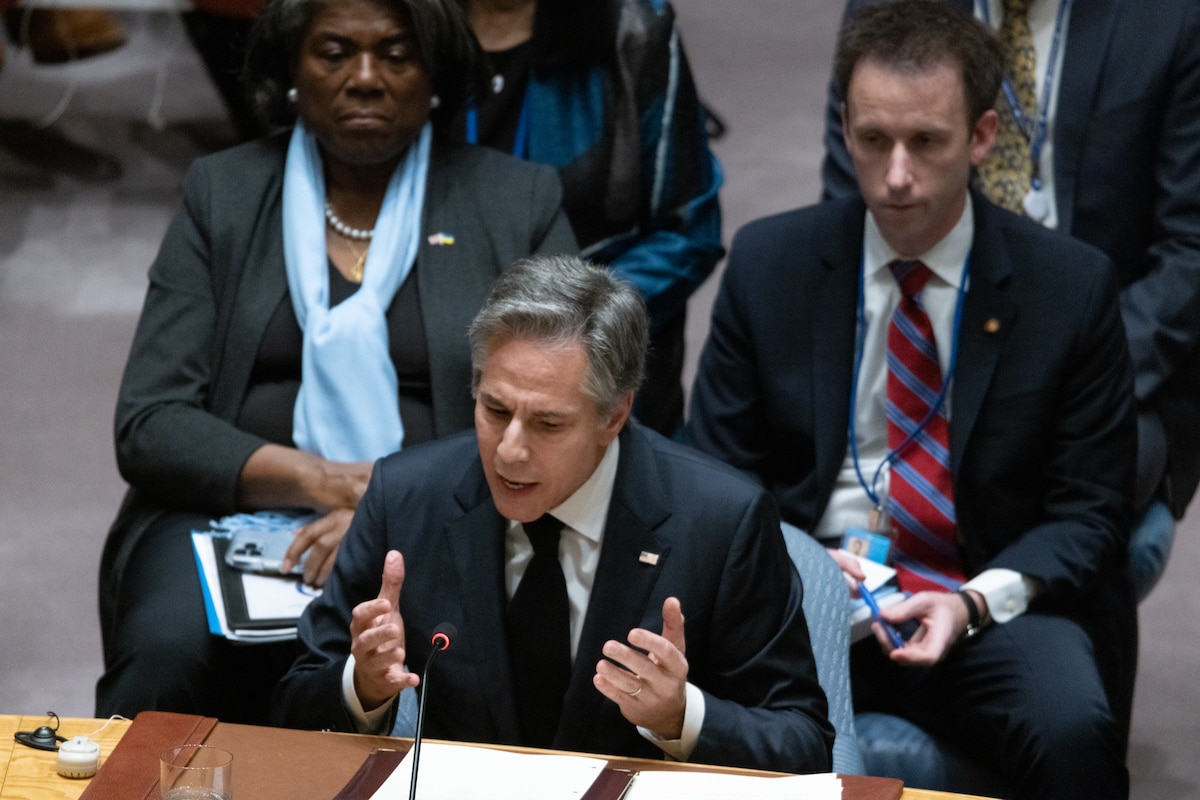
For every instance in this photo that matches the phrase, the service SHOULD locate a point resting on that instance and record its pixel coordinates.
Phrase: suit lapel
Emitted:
(451, 281)
(623, 581)
(479, 566)
(1088, 31)
(834, 324)
(261, 285)
(988, 315)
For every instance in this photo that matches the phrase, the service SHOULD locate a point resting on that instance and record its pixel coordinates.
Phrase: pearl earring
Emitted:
(435, 101)
(293, 95)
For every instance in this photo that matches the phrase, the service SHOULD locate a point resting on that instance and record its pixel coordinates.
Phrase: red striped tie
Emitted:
(921, 494)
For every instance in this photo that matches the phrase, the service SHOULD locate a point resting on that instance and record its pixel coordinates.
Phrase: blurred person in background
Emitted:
(602, 91)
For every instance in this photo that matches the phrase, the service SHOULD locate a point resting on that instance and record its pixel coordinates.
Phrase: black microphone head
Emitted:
(442, 635)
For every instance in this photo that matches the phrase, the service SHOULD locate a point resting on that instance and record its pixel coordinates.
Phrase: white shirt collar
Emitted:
(945, 259)
(586, 510)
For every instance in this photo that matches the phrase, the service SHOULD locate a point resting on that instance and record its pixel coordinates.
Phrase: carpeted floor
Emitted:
(73, 257)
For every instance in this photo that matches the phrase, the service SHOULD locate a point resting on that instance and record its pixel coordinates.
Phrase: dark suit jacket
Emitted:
(1041, 428)
(220, 275)
(1127, 180)
(719, 551)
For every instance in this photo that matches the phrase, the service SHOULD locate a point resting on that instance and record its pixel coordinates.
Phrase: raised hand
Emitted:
(650, 689)
(377, 641)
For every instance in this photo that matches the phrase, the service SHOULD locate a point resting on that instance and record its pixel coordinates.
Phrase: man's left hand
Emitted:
(649, 687)
(943, 621)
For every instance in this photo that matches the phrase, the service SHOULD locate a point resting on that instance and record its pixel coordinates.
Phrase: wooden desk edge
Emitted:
(28, 774)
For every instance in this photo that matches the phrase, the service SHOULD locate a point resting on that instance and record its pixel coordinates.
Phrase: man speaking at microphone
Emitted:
(613, 592)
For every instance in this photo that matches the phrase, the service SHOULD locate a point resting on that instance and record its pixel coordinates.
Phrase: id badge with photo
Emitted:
(867, 544)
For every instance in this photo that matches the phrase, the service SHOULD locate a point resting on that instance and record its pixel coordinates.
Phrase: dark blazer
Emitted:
(1127, 180)
(719, 551)
(1041, 429)
(220, 275)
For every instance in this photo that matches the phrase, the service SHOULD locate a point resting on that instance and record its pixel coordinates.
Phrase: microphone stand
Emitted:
(441, 641)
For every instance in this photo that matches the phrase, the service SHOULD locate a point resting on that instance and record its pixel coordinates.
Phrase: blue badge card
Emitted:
(864, 543)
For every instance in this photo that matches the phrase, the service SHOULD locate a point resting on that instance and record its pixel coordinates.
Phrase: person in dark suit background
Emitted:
(357, 227)
(1037, 459)
(1119, 165)
(663, 548)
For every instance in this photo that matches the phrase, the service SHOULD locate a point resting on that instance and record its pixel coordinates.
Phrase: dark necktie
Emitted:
(539, 636)
(921, 491)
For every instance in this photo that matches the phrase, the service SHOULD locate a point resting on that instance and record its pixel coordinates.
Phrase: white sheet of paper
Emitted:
(680, 785)
(458, 772)
(877, 574)
(276, 597)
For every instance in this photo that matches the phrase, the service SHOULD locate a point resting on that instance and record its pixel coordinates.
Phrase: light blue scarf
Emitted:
(348, 405)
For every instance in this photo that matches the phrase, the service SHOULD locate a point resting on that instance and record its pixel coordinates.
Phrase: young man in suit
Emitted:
(677, 626)
(1116, 164)
(1005, 488)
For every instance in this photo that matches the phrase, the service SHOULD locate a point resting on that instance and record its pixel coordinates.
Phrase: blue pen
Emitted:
(868, 598)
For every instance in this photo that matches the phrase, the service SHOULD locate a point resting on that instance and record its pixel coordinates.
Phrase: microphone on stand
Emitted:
(442, 635)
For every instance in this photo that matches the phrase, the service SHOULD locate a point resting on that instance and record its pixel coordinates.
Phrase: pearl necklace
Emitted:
(344, 229)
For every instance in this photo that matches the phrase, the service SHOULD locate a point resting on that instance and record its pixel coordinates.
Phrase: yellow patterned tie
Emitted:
(1005, 173)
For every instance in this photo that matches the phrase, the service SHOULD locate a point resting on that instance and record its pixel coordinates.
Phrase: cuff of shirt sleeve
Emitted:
(693, 717)
(364, 721)
(1006, 591)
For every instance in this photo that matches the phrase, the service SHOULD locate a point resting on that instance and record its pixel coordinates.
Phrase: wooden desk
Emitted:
(28, 774)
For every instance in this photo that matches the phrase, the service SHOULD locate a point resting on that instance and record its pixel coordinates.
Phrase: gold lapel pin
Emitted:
(648, 558)
(992, 325)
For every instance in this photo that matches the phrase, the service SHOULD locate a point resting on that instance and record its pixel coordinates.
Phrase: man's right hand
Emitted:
(377, 641)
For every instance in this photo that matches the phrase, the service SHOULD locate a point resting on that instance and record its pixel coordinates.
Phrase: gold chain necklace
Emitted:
(360, 263)
(360, 259)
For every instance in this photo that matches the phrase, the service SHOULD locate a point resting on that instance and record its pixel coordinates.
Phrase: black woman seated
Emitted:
(306, 315)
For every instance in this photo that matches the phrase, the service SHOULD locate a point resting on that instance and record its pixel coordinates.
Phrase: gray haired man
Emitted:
(612, 591)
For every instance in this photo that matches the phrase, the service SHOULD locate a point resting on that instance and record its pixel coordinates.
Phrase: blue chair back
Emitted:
(827, 609)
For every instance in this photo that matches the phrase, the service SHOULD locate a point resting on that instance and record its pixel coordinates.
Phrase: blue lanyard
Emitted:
(1035, 131)
(520, 143)
(939, 401)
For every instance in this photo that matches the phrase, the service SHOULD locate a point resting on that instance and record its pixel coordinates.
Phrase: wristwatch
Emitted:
(975, 623)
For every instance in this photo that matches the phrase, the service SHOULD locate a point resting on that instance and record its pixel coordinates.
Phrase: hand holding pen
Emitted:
(893, 635)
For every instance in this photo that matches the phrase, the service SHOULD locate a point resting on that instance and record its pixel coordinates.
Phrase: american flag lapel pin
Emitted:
(436, 239)
(648, 558)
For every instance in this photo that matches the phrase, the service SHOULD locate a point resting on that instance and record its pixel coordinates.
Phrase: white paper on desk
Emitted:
(681, 785)
(459, 772)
